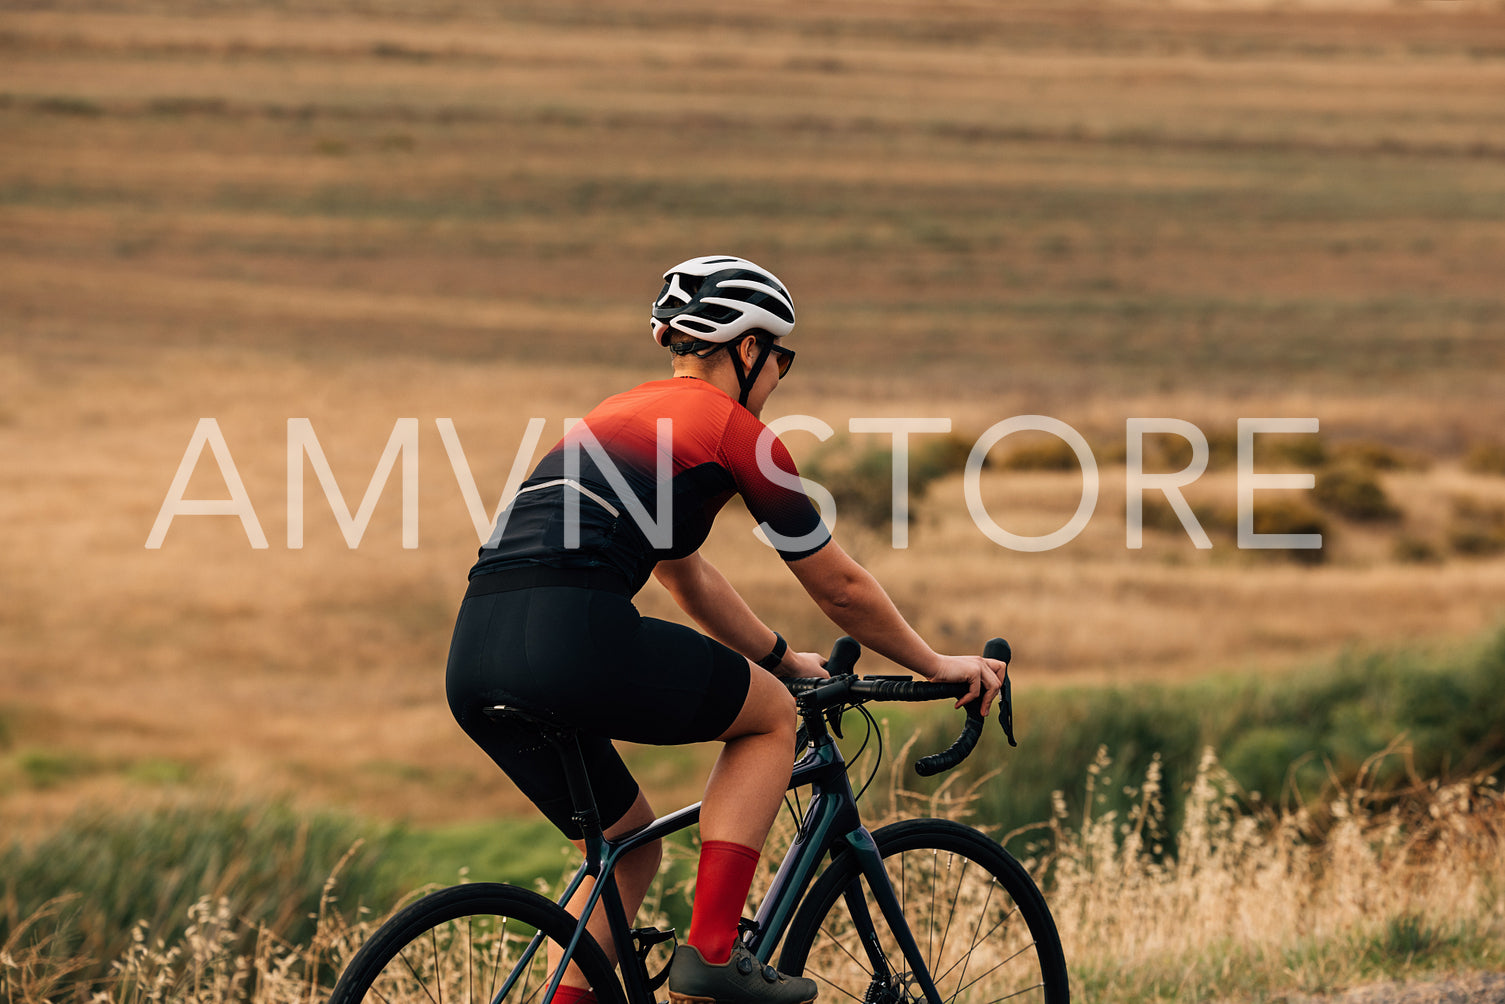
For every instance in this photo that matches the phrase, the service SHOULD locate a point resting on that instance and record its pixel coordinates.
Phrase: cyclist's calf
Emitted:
(746, 787)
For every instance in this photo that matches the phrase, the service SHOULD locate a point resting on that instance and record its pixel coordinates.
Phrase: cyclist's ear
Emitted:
(747, 348)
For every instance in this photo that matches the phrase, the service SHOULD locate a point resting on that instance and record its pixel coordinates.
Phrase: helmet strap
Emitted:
(746, 379)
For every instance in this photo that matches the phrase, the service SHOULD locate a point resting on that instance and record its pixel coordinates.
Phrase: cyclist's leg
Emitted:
(486, 668)
(747, 784)
(642, 680)
(742, 797)
(669, 684)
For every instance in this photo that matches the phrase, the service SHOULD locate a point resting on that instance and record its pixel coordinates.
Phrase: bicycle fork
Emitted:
(830, 823)
(860, 842)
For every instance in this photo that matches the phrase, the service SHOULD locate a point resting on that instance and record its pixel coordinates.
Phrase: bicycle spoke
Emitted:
(934, 857)
(470, 945)
(982, 914)
(999, 966)
(492, 994)
(834, 986)
(842, 948)
(978, 941)
(956, 896)
(821, 977)
(417, 979)
(985, 925)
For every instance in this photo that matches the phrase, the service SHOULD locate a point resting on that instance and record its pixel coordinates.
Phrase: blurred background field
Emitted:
(355, 211)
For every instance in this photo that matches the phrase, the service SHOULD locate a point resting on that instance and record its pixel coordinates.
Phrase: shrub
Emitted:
(1305, 451)
(1294, 515)
(1415, 550)
(863, 488)
(1486, 458)
(862, 482)
(1378, 456)
(1048, 453)
(1476, 528)
(1272, 514)
(1353, 492)
(934, 457)
(1158, 515)
(1173, 453)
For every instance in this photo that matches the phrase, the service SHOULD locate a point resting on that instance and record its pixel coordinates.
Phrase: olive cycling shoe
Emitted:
(741, 979)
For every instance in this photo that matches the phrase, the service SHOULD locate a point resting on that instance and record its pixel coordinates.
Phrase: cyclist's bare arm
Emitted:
(858, 604)
(713, 603)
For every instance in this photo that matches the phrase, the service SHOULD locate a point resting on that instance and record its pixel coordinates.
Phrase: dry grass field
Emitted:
(362, 211)
(355, 211)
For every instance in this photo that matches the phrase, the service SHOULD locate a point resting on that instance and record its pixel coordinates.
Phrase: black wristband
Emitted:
(771, 661)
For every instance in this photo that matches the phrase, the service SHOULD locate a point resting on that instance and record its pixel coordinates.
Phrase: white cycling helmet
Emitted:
(720, 298)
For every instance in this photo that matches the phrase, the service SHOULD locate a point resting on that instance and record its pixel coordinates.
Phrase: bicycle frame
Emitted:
(830, 824)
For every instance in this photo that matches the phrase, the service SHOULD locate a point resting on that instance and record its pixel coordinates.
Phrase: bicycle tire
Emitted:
(458, 945)
(979, 919)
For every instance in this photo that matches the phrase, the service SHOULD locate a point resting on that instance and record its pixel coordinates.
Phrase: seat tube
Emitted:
(871, 864)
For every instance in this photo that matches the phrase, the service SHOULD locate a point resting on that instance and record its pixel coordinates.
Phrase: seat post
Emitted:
(588, 817)
(582, 798)
(566, 742)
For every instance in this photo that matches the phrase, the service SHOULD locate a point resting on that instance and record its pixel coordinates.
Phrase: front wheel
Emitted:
(980, 922)
(469, 943)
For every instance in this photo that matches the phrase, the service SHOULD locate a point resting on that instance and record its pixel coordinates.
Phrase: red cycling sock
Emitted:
(722, 881)
(573, 995)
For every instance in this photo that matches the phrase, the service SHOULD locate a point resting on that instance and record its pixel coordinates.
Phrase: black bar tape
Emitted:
(937, 763)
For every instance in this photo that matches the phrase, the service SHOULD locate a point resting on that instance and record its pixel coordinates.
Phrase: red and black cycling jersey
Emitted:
(641, 478)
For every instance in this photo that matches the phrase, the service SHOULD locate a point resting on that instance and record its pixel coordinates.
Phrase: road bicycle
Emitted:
(921, 910)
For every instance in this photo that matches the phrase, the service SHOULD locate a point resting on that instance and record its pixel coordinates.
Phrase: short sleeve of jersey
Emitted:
(770, 485)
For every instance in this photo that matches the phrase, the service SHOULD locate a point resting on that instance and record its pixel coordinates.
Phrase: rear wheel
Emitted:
(464, 945)
(980, 922)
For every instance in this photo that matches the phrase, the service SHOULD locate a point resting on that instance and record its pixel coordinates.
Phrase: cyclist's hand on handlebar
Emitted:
(984, 677)
(802, 664)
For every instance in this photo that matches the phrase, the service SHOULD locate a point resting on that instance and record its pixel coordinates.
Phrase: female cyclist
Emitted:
(548, 621)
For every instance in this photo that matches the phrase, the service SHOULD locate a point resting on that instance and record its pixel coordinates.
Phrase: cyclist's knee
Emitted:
(768, 709)
(638, 815)
(782, 709)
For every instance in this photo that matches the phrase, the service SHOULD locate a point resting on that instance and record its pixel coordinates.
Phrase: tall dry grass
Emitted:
(1239, 903)
(1234, 904)
(208, 964)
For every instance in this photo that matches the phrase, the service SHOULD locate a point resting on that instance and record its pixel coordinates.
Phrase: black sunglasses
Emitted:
(782, 358)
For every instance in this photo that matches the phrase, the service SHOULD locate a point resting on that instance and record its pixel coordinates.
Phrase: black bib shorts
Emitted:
(588, 658)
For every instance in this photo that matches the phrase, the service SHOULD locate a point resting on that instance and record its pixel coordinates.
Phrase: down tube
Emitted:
(826, 820)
